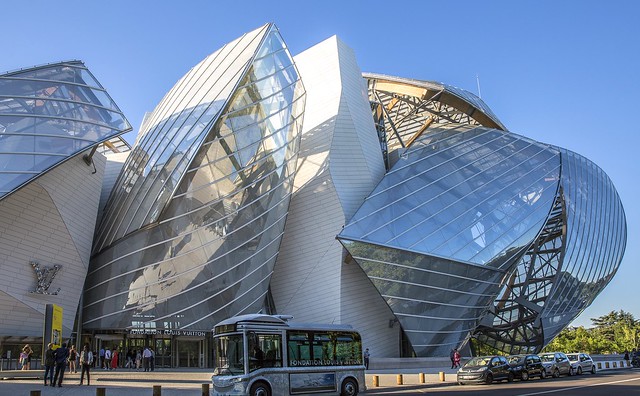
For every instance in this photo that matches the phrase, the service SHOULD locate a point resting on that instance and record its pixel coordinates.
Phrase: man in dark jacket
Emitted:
(61, 356)
(49, 363)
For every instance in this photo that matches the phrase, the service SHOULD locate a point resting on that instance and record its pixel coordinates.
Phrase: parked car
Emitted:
(581, 363)
(556, 364)
(527, 366)
(485, 369)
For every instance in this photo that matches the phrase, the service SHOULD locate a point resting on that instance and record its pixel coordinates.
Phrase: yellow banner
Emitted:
(56, 327)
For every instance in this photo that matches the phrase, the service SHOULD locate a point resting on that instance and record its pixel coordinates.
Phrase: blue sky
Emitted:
(561, 72)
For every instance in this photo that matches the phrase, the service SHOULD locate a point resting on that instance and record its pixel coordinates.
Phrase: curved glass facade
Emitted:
(48, 114)
(192, 230)
(478, 232)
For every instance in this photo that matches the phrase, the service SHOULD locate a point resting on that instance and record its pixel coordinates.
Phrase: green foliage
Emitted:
(613, 332)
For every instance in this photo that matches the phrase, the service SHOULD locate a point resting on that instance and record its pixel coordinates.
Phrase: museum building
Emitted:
(266, 182)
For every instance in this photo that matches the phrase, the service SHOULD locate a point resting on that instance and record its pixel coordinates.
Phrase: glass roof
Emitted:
(464, 193)
(49, 114)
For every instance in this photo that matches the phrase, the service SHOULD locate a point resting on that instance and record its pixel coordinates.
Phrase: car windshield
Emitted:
(516, 359)
(478, 361)
(573, 356)
(548, 358)
(229, 355)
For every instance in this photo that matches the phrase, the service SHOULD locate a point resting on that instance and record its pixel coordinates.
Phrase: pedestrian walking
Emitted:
(456, 358)
(61, 356)
(86, 360)
(452, 358)
(49, 364)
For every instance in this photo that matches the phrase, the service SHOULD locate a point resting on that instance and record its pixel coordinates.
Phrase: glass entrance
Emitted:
(162, 352)
(190, 353)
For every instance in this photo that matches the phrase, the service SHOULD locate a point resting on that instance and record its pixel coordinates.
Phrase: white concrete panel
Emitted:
(114, 164)
(50, 221)
(340, 163)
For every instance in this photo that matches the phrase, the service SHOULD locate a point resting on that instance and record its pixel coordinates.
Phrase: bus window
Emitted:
(323, 348)
(264, 350)
(229, 355)
(299, 349)
(348, 349)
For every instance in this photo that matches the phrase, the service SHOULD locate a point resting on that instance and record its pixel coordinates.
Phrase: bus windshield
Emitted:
(229, 355)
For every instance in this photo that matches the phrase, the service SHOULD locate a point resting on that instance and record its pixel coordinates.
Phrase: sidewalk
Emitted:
(174, 382)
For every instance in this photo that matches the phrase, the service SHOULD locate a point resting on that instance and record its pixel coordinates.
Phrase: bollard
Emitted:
(442, 376)
(157, 390)
(34, 393)
(100, 391)
(205, 389)
(376, 381)
(422, 378)
(399, 379)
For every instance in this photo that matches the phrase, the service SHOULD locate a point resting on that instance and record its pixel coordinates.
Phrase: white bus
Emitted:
(264, 355)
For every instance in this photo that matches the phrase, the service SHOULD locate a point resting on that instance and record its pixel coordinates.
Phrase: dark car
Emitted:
(527, 366)
(485, 369)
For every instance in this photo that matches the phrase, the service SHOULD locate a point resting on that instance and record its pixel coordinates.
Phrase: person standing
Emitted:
(61, 356)
(456, 358)
(366, 357)
(138, 359)
(73, 354)
(86, 360)
(152, 359)
(146, 358)
(107, 359)
(114, 358)
(49, 363)
(25, 357)
(101, 355)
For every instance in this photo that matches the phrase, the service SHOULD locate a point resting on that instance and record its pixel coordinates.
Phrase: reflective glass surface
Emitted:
(467, 194)
(48, 114)
(595, 242)
(215, 213)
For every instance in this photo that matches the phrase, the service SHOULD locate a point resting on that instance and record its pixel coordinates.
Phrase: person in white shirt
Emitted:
(107, 359)
(146, 358)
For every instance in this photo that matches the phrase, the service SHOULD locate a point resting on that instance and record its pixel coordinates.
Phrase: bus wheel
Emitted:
(260, 389)
(349, 387)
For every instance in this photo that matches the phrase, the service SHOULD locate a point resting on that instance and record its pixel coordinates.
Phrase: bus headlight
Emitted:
(226, 382)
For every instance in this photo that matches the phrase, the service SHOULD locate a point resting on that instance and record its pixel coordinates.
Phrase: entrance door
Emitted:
(162, 352)
(189, 353)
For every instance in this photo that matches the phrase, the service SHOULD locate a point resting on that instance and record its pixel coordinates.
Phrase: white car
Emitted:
(581, 363)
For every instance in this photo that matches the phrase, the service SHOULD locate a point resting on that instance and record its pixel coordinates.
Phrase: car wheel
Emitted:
(489, 379)
(260, 389)
(510, 377)
(593, 369)
(524, 376)
(571, 371)
(349, 387)
(543, 374)
(579, 370)
(556, 373)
